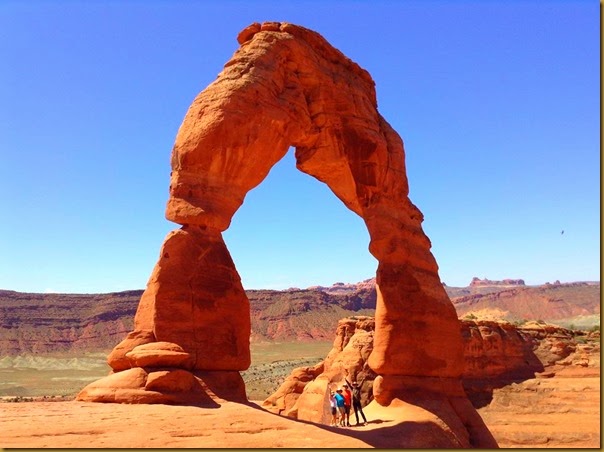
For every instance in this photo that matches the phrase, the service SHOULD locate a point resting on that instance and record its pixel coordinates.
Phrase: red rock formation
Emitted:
(303, 394)
(314, 98)
(495, 354)
(348, 359)
(286, 86)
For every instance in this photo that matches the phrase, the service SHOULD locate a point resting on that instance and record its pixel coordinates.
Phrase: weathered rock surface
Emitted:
(194, 316)
(304, 395)
(306, 94)
(166, 385)
(159, 354)
(233, 425)
(194, 298)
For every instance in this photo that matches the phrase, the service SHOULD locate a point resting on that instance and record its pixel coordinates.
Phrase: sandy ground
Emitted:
(550, 413)
(232, 425)
(96, 425)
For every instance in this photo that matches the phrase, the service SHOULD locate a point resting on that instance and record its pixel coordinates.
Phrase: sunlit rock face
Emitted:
(287, 86)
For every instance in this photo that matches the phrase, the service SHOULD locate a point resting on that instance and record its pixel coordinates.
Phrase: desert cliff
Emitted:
(71, 323)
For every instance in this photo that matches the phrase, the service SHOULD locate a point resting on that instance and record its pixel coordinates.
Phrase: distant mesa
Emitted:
(555, 283)
(58, 323)
(477, 282)
(340, 287)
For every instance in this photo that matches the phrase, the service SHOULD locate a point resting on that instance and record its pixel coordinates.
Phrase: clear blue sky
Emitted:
(497, 103)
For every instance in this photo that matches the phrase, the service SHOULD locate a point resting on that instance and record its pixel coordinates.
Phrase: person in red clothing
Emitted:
(347, 403)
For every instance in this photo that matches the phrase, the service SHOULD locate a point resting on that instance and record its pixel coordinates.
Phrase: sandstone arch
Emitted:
(285, 86)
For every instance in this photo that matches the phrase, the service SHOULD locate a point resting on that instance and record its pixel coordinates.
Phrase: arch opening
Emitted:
(293, 232)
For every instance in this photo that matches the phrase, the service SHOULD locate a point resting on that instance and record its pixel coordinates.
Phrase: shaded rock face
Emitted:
(287, 86)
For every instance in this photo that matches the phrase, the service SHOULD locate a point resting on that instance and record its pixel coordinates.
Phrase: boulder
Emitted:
(117, 359)
(159, 354)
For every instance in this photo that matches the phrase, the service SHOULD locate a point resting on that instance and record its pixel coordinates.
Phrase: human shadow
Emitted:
(404, 434)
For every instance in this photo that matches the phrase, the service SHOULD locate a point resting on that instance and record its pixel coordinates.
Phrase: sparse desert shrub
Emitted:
(470, 316)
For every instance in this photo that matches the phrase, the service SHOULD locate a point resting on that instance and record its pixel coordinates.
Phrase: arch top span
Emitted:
(285, 86)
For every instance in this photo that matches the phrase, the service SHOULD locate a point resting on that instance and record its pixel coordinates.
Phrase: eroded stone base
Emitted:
(444, 398)
(167, 385)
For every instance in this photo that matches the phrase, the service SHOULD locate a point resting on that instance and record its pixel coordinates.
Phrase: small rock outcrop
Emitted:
(347, 360)
(304, 394)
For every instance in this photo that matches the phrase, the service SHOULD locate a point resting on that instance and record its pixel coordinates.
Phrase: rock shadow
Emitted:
(480, 390)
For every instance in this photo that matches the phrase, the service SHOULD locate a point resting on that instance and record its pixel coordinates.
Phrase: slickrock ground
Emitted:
(99, 425)
(552, 413)
(560, 407)
(563, 411)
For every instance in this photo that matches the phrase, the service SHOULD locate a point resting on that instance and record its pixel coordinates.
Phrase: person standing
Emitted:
(340, 405)
(347, 403)
(334, 409)
(356, 402)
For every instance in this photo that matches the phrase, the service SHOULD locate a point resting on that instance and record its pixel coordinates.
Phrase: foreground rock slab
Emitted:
(232, 425)
(558, 412)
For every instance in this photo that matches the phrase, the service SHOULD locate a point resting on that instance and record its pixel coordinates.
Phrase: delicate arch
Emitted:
(285, 86)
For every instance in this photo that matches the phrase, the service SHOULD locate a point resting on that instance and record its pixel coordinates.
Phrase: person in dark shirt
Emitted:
(356, 401)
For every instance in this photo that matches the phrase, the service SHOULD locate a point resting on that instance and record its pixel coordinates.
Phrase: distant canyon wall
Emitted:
(76, 323)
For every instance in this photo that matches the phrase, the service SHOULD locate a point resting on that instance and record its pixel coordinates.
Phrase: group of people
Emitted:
(341, 400)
